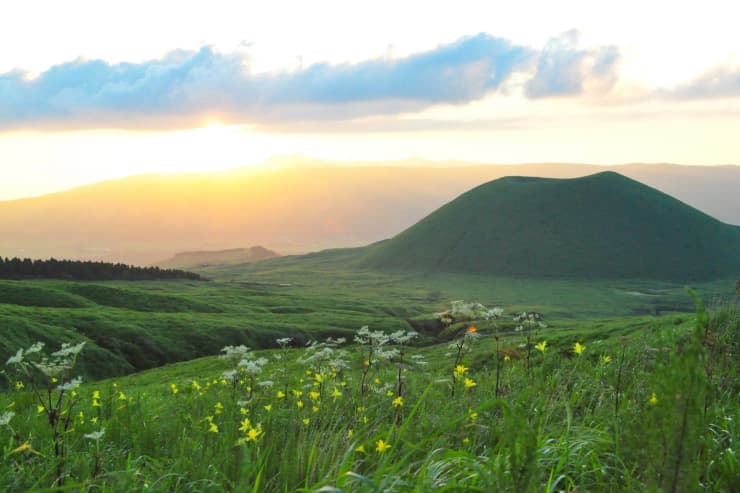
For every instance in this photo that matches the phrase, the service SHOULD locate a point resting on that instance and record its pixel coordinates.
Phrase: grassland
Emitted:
(637, 405)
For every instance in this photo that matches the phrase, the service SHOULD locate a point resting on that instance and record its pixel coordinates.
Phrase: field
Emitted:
(626, 388)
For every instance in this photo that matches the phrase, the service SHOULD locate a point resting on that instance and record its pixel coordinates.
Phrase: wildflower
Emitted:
(243, 411)
(313, 395)
(94, 420)
(306, 421)
(578, 348)
(470, 383)
(297, 393)
(315, 409)
(195, 385)
(389, 393)
(653, 399)
(219, 408)
(96, 394)
(121, 396)
(606, 359)
(299, 404)
(397, 402)
(365, 420)
(213, 427)
(473, 415)
(336, 393)
(507, 357)
(366, 362)
(268, 407)
(361, 448)
(318, 377)
(471, 330)
(381, 446)
(466, 440)
(6, 417)
(81, 417)
(541, 346)
(350, 433)
(245, 425)
(95, 435)
(376, 381)
(26, 447)
(280, 394)
(19, 385)
(253, 434)
(174, 388)
(459, 371)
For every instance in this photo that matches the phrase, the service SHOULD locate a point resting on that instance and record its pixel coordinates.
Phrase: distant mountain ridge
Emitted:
(599, 226)
(204, 258)
(292, 208)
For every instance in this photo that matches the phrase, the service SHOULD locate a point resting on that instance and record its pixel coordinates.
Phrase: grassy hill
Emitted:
(217, 257)
(600, 226)
(289, 207)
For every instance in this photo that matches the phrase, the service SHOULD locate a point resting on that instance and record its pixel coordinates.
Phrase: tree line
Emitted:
(17, 268)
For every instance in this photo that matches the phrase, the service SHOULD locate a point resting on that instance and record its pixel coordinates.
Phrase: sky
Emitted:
(94, 90)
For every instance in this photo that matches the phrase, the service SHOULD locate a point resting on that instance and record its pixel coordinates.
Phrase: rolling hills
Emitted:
(599, 226)
(291, 206)
(217, 257)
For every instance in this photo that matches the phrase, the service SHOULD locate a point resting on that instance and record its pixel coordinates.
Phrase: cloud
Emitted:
(565, 70)
(185, 87)
(720, 82)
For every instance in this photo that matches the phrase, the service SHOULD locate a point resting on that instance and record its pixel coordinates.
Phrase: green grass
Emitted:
(555, 424)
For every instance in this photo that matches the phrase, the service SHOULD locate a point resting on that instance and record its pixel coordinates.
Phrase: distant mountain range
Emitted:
(295, 206)
(217, 257)
(599, 226)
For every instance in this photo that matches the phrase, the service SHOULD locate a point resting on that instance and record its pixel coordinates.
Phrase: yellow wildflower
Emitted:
(473, 415)
(280, 394)
(469, 383)
(299, 404)
(268, 407)
(40, 409)
(218, 407)
(360, 448)
(541, 346)
(606, 359)
(459, 371)
(121, 396)
(315, 409)
(507, 357)
(313, 395)
(19, 385)
(94, 420)
(318, 377)
(578, 348)
(653, 399)
(297, 393)
(397, 402)
(336, 393)
(381, 446)
(389, 393)
(376, 381)
(174, 389)
(213, 427)
(245, 425)
(350, 433)
(253, 434)
(306, 421)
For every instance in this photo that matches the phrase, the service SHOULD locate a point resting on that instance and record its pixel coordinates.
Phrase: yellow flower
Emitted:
(19, 385)
(297, 393)
(318, 377)
(376, 381)
(268, 407)
(350, 433)
(26, 447)
(121, 396)
(280, 394)
(459, 371)
(541, 346)
(245, 425)
(366, 362)
(55, 380)
(94, 420)
(40, 409)
(606, 359)
(507, 357)
(213, 428)
(218, 407)
(470, 383)
(389, 393)
(174, 389)
(313, 395)
(365, 419)
(81, 417)
(95, 403)
(306, 421)
(360, 448)
(243, 411)
(299, 404)
(336, 393)
(653, 399)
(578, 348)
(397, 402)
(473, 415)
(96, 394)
(315, 409)
(381, 446)
(195, 385)
(253, 434)
(466, 440)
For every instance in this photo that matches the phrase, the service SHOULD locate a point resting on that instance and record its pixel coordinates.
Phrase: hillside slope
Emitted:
(289, 207)
(599, 226)
(217, 257)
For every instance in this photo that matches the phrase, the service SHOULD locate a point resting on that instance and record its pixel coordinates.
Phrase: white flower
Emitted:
(6, 417)
(71, 385)
(96, 435)
(14, 360)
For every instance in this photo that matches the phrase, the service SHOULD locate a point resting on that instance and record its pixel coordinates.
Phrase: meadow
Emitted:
(613, 404)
